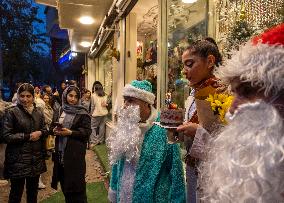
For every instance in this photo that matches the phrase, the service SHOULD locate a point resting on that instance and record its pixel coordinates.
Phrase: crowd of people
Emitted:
(241, 161)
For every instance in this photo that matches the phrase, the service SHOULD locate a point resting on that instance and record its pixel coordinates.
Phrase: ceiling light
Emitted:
(85, 44)
(189, 1)
(86, 20)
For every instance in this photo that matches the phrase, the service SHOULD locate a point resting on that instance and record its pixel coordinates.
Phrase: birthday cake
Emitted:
(172, 117)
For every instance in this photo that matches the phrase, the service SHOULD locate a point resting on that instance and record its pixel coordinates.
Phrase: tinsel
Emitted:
(126, 139)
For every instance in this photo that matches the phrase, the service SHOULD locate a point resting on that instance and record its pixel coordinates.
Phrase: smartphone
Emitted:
(58, 125)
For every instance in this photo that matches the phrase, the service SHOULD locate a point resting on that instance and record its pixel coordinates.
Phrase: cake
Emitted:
(172, 117)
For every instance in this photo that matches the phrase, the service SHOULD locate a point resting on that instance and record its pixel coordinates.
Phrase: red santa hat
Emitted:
(259, 61)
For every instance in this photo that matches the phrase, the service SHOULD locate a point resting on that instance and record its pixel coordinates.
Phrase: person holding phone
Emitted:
(72, 128)
(24, 132)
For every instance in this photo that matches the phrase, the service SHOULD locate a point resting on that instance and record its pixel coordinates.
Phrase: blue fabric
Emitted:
(191, 183)
(143, 85)
(159, 174)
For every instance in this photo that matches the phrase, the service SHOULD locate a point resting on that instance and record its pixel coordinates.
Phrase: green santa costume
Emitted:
(145, 170)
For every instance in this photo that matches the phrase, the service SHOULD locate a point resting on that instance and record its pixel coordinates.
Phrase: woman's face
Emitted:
(46, 99)
(26, 98)
(196, 68)
(88, 94)
(72, 98)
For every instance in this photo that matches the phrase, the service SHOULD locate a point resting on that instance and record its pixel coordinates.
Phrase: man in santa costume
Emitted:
(245, 162)
(145, 168)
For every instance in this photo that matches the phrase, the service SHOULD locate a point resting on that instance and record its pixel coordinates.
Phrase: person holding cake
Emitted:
(199, 60)
(145, 168)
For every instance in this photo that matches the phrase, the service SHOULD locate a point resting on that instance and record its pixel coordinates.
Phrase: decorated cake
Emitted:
(171, 115)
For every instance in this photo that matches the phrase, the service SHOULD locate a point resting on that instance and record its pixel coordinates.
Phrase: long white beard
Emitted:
(246, 160)
(126, 139)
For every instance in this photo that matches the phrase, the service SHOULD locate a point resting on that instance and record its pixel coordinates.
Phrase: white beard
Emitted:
(246, 160)
(126, 139)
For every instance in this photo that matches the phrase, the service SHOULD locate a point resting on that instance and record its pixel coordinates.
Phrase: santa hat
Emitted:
(260, 62)
(141, 90)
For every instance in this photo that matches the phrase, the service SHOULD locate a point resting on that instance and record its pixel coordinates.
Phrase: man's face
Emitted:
(145, 109)
(37, 90)
(243, 93)
(48, 90)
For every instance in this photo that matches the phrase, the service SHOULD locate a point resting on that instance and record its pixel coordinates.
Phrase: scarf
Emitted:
(70, 112)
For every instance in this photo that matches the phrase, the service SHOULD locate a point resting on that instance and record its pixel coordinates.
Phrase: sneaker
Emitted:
(41, 185)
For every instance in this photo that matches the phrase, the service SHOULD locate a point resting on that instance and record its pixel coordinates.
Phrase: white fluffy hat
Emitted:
(260, 62)
(141, 90)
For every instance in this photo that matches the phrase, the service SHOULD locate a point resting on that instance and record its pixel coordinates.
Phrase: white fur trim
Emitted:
(143, 95)
(260, 64)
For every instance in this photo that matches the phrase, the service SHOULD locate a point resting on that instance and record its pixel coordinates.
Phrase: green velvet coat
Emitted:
(159, 175)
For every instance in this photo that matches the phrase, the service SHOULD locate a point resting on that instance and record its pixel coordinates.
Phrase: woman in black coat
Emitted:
(24, 132)
(73, 128)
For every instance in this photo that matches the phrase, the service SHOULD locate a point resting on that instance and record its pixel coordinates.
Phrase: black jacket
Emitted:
(23, 158)
(74, 156)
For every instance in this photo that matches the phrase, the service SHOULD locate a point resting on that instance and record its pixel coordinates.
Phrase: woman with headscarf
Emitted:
(24, 131)
(72, 129)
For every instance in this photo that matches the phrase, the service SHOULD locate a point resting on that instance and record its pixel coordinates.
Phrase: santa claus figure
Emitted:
(246, 160)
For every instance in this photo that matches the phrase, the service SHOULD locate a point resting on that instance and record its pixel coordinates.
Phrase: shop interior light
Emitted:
(86, 20)
(189, 1)
(85, 44)
(74, 54)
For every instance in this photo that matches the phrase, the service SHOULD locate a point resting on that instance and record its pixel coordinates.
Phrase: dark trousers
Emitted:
(71, 197)
(17, 188)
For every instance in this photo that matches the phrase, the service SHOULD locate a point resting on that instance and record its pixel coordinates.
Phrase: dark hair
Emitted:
(45, 87)
(26, 87)
(206, 47)
(76, 89)
(94, 84)
(51, 100)
(99, 90)
(73, 82)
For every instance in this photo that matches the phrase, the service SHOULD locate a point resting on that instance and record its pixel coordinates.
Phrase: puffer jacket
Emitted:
(23, 158)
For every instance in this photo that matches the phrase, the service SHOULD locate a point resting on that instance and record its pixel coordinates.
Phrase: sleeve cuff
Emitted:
(198, 147)
(111, 195)
(26, 136)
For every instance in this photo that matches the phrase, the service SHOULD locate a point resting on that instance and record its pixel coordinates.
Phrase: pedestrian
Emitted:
(245, 161)
(99, 114)
(86, 99)
(72, 128)
(24, 131)
(61, 89)
(145, 167)
(199, 60)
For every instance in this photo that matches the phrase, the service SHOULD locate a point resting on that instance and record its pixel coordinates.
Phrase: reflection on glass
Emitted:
(106, 71)
(186, 23)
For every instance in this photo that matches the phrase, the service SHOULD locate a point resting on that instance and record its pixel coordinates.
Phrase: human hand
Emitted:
(188, 129)
(104, 104)
(34, 136)
(62, 132)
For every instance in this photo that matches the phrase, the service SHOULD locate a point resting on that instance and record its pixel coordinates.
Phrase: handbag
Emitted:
(50, 142)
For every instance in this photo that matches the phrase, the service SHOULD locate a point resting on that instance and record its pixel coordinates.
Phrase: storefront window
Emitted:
(147, 21)
(187, 22)
(106, 71)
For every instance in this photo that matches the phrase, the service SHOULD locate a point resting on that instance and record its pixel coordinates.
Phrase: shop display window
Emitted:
(147, 21)
(106, 66)
(186, 22)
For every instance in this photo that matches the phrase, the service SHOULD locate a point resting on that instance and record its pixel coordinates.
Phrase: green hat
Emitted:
(141, 90)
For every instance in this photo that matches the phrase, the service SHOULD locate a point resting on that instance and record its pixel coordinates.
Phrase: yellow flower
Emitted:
(220, 103)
